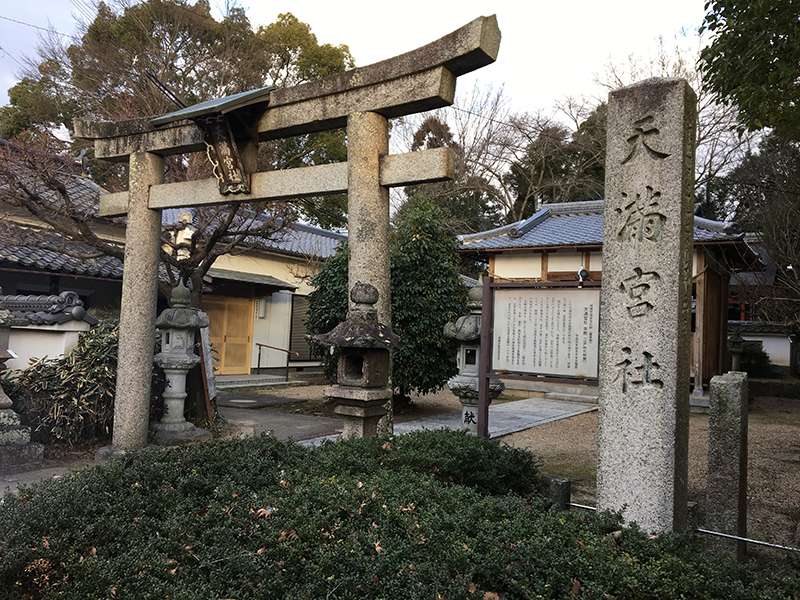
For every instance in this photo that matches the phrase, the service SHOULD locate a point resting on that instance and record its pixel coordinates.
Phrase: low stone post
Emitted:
(177, 324)
(645, 304)
(363, 370)
(465, 385)
(726, 489)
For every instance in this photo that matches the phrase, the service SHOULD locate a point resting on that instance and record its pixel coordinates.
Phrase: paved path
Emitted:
(505, 418)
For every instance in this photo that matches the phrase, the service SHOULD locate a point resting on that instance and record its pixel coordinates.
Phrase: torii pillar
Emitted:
(137, 320)
(368, 208)
(362, 100)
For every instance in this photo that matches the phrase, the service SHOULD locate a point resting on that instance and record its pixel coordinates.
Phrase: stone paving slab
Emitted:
(284, 426)
(234, 400)
(505, 418)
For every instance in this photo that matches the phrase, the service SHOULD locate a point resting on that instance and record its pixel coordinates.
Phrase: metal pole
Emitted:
(748, 540)
(716, 533)
(486, 359)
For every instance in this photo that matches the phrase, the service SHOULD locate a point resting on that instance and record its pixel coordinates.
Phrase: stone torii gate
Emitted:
(361, 100)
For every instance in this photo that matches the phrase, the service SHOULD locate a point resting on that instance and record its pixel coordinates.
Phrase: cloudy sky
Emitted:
(549, 50)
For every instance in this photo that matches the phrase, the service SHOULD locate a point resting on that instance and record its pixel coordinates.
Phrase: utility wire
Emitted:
(36, 27)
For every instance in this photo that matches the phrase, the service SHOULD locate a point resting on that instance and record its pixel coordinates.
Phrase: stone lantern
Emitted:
(364, 364)
(467, 330)
(736, 347)
(17, 452)
(177, 324)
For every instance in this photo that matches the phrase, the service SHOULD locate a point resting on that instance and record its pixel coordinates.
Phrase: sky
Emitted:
(549, 50)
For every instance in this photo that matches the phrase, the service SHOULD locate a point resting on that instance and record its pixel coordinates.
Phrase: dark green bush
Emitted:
(755, 361)
(259, 518)
(72, 397)
(426, 292)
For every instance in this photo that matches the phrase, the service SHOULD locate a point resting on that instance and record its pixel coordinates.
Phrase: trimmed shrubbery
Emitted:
(425, 515)
(72, 397)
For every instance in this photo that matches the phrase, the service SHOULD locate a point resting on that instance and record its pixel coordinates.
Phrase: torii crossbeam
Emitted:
(361, 100)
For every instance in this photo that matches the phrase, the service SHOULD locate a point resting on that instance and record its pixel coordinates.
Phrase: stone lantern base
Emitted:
(176, 434)
(466, 388)
(17, 452)
(359, 408)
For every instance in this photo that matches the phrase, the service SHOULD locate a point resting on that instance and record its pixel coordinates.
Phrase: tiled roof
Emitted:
(304, 240)
(83, 193)
(46, 310)
(40, 254)
(756, 327)
(574, 224)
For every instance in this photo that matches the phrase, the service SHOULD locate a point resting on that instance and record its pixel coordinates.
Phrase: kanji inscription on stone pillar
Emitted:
(645, 330)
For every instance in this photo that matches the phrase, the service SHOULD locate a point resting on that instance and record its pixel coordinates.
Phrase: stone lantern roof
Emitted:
(361, 329)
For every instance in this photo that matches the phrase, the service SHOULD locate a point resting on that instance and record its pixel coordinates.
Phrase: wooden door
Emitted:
(230, 332)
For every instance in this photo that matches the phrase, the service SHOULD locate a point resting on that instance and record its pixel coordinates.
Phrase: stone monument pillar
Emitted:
(177, 324)
(726, 490)
(363, 370)
(465, 385)
(645, 310)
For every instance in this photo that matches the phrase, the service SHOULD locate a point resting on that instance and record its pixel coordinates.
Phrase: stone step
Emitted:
(16, 458)
(14, 435)
(584, 398)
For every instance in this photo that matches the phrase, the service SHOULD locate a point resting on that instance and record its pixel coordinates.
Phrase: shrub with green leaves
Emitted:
(427, 292)
(394, 518)
(72, 397)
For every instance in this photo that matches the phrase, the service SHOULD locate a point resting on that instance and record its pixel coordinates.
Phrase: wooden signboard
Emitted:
(207, 364)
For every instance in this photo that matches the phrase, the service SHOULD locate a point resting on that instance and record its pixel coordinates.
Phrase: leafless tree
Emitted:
(720, 147)
(41, 187)
(515, 161)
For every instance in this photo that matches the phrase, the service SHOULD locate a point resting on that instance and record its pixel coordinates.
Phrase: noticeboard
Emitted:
(207, 368)
(546, 331)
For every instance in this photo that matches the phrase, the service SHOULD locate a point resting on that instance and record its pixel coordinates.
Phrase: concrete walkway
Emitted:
(505, 418)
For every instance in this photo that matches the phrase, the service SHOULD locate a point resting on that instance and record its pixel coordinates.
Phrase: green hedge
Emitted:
(72, 397)
(426, 515)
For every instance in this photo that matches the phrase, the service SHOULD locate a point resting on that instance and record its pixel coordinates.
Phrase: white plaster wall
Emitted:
(522, 265)
(38, 341)
(273, 329)
(565, 261)
(595, 261)
(778, 347)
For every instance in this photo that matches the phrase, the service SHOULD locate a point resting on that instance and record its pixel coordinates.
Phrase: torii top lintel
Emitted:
(416, 81)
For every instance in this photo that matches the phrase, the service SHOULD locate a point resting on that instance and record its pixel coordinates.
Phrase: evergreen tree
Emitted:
(427, 292)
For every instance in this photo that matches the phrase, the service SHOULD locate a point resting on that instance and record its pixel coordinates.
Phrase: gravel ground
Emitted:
(569, 449)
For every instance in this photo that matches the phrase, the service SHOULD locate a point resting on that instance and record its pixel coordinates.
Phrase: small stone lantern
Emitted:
(177, 324)
(465, 385)
(364, 364)
(736, 347)
(17, 452)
